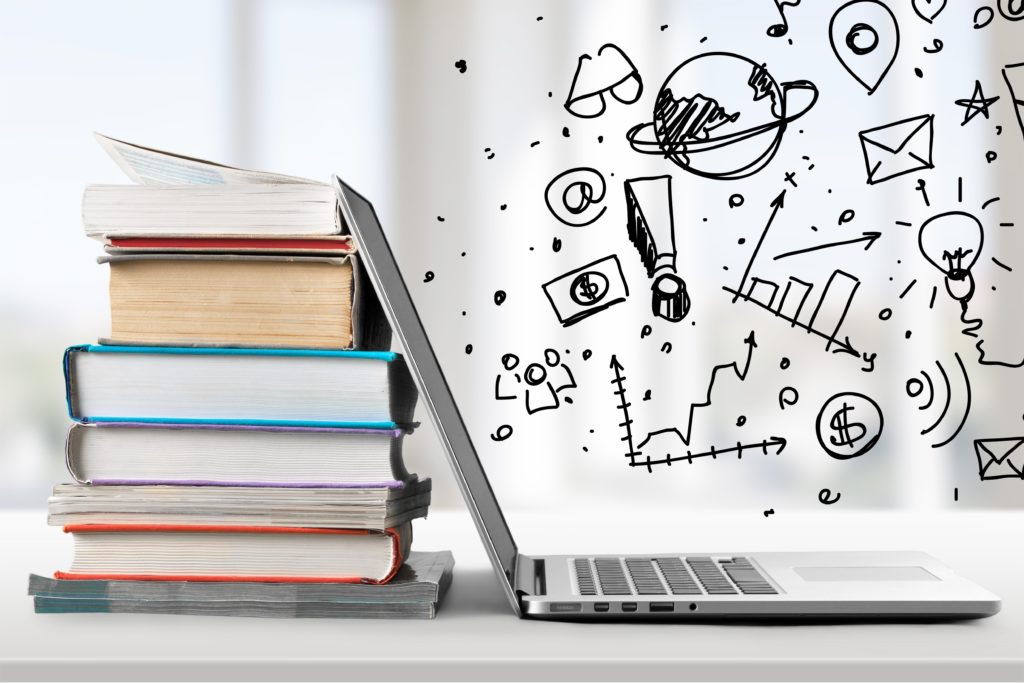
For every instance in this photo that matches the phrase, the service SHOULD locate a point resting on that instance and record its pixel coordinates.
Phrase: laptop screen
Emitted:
(380, 264)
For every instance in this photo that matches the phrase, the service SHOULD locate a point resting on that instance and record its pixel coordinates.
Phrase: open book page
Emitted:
(147, 166)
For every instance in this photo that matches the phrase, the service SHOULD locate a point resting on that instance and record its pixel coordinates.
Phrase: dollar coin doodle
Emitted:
(849, 425)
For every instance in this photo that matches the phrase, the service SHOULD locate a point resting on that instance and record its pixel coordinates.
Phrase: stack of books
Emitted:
(237, 446)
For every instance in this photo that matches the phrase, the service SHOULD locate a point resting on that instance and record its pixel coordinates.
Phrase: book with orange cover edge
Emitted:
(185, 552)
(339, 245)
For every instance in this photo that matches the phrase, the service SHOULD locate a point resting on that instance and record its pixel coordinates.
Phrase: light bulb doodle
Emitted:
(952, 242)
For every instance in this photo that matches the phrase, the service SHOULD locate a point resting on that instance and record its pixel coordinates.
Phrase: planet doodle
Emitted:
(728, 130)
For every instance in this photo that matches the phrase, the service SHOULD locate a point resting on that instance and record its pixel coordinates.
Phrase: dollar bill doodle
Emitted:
(586, 290)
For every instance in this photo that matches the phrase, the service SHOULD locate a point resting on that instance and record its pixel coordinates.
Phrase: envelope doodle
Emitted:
(898, 148)
(1000, 458)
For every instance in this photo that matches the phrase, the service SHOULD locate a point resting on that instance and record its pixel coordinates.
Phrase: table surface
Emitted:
(476, 636)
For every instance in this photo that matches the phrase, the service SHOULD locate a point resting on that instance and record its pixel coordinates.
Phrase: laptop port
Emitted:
(662, 607)
(629, 607)
(566, 607)
(693, 607)
(601, 607)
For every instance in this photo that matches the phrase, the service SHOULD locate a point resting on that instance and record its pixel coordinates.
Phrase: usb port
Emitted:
(566, 607)
(662, 607)
(629, 607)
(601, 606)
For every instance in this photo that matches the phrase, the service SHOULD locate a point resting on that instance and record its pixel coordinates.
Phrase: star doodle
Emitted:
(977, 104)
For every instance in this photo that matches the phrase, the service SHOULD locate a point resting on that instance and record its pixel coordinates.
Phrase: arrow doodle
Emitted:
(868, 237)
(635, 451)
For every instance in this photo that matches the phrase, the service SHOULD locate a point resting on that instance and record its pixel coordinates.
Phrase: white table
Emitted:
(475, 637)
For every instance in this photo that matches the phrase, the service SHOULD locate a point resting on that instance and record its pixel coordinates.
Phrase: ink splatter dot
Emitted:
(469, 349)
(704, 39)
(725, 267)
(885, 314)
(502, 433)
(568, 399)
(906, 335)
(540, 18)
(463, 254)
(586, 450)
(463, 313)
(556, 245)
(503, 207)
(499, 297)
(428, 276)
(647, 395)
(784, 363)
(591, 431)
(440, 219)
(461, 66)
(741, 420)
(918, 72)
(664, 26)
(531, 248)
(587, 353)
(600, 138)
(488, 152)
(534, 143)
(742, 240)
(565, 131)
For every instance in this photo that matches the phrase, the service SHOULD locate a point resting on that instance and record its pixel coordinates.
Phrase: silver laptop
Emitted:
(679, 586)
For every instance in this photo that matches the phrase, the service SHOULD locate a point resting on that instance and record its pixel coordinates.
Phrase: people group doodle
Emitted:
(834, 283)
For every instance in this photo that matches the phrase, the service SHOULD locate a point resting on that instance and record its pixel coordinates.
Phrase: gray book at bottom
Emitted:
(241, 608)
(421, 580)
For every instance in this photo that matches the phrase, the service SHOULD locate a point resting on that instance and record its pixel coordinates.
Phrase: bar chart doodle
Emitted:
(823, 318)
(672, 444)
(651, 228)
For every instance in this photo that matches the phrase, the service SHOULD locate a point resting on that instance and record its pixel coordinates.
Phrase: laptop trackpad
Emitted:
(865, 574)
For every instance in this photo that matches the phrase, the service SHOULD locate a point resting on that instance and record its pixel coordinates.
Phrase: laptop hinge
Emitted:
(530, 576)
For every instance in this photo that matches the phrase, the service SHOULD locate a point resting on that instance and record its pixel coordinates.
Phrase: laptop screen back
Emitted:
(380, 264)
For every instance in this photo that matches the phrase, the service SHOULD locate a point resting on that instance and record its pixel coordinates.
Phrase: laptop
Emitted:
(675, 586)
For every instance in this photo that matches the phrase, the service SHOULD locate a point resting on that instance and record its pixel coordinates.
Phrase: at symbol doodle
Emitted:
(573, 196)
(848, 425)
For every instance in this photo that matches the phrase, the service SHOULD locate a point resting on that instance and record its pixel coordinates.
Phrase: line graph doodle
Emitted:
(823, 319)
(926, 388)
(729, 132)
(651, 228)
(673, 438)
(865, 39)
(869, 238)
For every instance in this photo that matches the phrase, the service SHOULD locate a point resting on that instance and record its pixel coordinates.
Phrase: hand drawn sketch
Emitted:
(825, 497)
(586, 290)
(611, 72)
(651, 228)
(929, 9)
(573, 196)
(976, 104)
(1000, 458)
(781, 29)
(849, 425)
(1013, 76)
(672, 444)
(823, 319)
(896, 149)
(926, 389)
(544, 382)
(865, 39)
(732, 127)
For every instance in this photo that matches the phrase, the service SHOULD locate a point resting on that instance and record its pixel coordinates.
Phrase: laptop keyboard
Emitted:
(698, 575)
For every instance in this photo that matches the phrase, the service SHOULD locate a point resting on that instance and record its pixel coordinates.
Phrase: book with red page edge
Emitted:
(399, 547)
(336, 245)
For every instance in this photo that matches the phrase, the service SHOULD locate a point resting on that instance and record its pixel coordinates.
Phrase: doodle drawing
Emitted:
(865, 39)
(929, 9)
(544, 382)
(673, 444)
(732, 127)
(848, 425)
(573, 196)
(976, 104)
(610, 72)
(586, 290)
(1013, 75)
(896, 149)
(781, 29)
(651, 228)
(1000, 458)
(823, 319)
(926, 389)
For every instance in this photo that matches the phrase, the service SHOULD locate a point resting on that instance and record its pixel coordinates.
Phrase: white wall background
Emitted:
(369, 90)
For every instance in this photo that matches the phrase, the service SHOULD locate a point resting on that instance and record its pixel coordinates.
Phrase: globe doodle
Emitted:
(729, 129)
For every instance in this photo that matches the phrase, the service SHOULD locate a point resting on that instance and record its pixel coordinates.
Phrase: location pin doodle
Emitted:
(865, 38)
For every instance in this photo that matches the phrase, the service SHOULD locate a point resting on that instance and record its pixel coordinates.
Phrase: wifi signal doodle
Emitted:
(926, 390)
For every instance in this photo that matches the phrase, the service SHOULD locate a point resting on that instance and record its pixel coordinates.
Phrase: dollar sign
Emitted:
(587, 290)
(840, 422)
